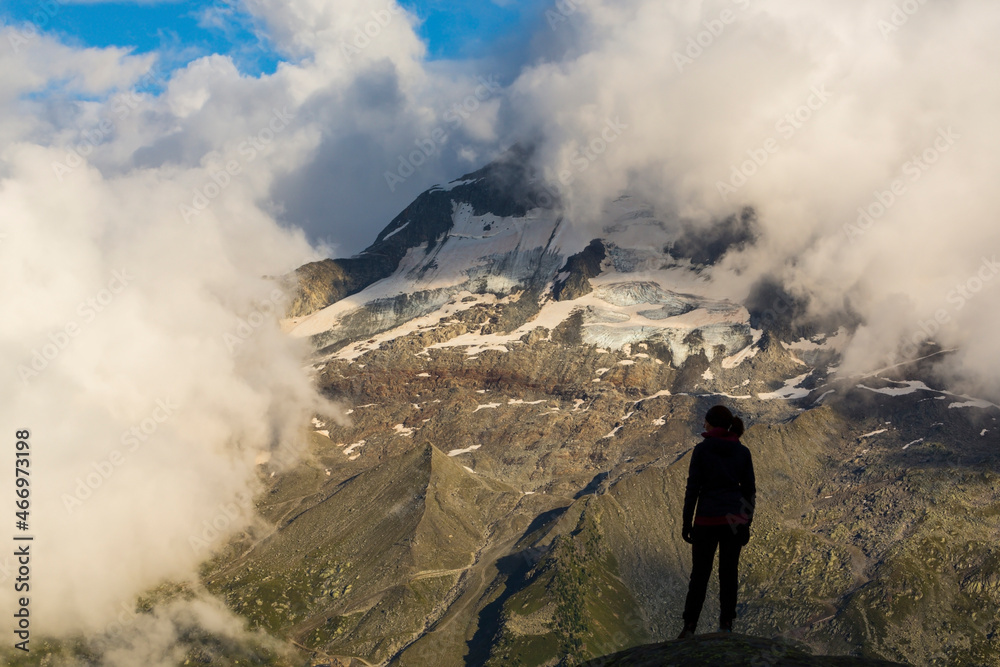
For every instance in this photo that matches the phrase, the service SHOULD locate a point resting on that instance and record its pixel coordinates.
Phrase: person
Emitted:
(721, 484)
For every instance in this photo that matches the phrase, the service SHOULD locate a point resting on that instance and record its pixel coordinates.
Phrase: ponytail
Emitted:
(719, 416)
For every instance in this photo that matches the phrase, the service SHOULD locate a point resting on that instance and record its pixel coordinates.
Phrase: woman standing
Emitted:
(721, 484)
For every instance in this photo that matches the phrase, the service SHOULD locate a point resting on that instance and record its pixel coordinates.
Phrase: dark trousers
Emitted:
(706, 539)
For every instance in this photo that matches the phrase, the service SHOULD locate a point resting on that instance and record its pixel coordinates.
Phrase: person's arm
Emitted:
(693, 489)
(748, 488)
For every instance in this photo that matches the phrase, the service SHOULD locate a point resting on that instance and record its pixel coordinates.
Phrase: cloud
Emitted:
(137, 226)
(142, 344)
(146, 399)
(806, 113)
(140, 211)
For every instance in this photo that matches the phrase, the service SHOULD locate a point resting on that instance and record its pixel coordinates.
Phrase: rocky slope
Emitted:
(522, 407)
(533, 401)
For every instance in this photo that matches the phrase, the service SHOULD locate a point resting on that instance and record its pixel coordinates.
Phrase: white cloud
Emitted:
(137, 228)
(705, 87)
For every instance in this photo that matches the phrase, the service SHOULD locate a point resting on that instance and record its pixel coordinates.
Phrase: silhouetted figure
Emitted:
(721, 484)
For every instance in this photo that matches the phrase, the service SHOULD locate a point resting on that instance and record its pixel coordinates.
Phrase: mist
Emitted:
(860, 132)
(138, 229)
(143, 214)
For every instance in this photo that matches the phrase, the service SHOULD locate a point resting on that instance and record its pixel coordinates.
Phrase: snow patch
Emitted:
(973, 403)
(836, 342)
(403, 430)
(627, 326)
(868, 435)
(457, 452)
(396, 230)
(662, 392)
(487, 406)
(350, 448)
(911, 387)
(790, 391)
(451, 186)
(824, 395)
(749, 352)
(915, 442)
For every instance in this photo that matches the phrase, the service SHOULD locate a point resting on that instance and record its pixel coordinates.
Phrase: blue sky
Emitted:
(182, 30)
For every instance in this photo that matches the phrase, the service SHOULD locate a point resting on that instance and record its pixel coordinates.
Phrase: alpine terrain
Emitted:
(523, 400)
(523, 403)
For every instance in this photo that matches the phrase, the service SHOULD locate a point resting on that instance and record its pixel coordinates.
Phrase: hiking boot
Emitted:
(688, 631)
(726, 627)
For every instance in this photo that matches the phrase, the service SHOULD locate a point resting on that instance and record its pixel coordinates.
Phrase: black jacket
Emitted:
(720, 481)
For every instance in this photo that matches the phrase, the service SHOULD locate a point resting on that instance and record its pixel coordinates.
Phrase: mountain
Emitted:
(545, 388)
(524, 394)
